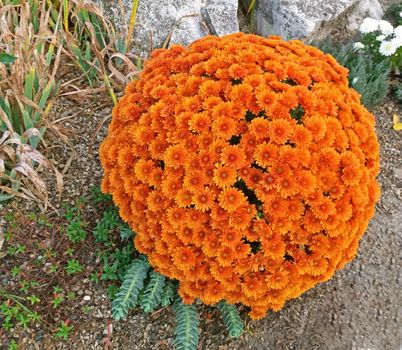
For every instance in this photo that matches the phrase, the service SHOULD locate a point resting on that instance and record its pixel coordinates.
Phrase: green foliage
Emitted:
(397, 90)
(98, 197)
(75, 228)
(63, 330)
(109, 221)
(73, 266)
(392, 14)
(187, 322)
(368, 77)
(153, 292)
(231, 318)
(5, 58)
(169, 292)
(133, 282)
(14, 312)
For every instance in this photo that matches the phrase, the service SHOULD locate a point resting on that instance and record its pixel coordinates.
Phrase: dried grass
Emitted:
(39, 34)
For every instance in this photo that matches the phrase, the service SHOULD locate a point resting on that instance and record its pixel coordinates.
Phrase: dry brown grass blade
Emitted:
(130, 71)
(99, 126)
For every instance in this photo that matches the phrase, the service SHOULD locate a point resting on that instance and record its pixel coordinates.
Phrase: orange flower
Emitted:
(265, 154)
(204, 199)
(307, 182)
(224, 127)
(323, 208)
(184, 258)
(224, 176)
(195, 180)
(175, 156)
(259, 127)
(231, 199)
(233, 156)
(301, 136)
(265, 98)
(280, 131)
(143, 169)
(184, 198)
(316, 125)
(185, 234)
(200, 122)
(225, 256)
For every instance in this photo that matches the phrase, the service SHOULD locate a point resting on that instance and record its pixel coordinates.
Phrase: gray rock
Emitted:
(162, 22)
(363, 9)
(219, 14)
(312, 19)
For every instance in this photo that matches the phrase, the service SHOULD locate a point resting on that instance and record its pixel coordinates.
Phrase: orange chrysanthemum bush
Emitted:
(246, 166)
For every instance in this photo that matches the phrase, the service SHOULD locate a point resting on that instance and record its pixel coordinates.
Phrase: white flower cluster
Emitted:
(390, 37)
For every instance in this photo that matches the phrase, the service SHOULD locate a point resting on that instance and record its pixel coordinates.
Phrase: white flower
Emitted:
(355, 80)
(389, 47)
(369, 25)
(386, 27)
(358, 46)
(380, 37)
(398, 32)
(400, 13)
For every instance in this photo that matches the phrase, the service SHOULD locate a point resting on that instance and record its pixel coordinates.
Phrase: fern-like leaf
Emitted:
(186, 332)
(169, 292)
(231, 318)
(153, 292)
(133, 282)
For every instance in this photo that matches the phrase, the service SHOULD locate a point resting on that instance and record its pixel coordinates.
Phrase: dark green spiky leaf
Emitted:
(153, 292)
(231, 318)
(169, 292)
(186, 332)
(126, 232)
(133, 282)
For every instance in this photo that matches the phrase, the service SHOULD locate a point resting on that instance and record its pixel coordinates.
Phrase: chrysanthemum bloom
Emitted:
(246, 166)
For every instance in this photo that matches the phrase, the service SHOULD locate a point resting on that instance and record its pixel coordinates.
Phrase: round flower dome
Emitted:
(245, 165)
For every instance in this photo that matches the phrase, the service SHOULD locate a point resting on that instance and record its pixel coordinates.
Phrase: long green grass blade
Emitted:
(134, 8)
(43, 100)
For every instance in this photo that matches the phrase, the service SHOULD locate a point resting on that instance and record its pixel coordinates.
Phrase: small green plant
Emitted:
(75, 228)
(33, 299)
(73, 266)
(57, 289)
(69, 252)
(18, 249)
(57, 300)
(63, 330)
(14, 312)
(53, 268)
(15, 271)
(70, 296)
(13, 345)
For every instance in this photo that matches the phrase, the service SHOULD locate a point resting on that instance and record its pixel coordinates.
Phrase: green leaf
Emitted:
(43, 99)
(186, 332)
(231, 318)
(5, 58)
(133, 282)
(153, 292)
(169, 292)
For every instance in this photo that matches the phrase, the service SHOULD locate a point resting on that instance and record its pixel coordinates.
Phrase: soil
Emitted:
(360, 308)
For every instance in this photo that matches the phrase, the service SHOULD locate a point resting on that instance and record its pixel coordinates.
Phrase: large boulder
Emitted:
(164, 22)
(312, 19)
